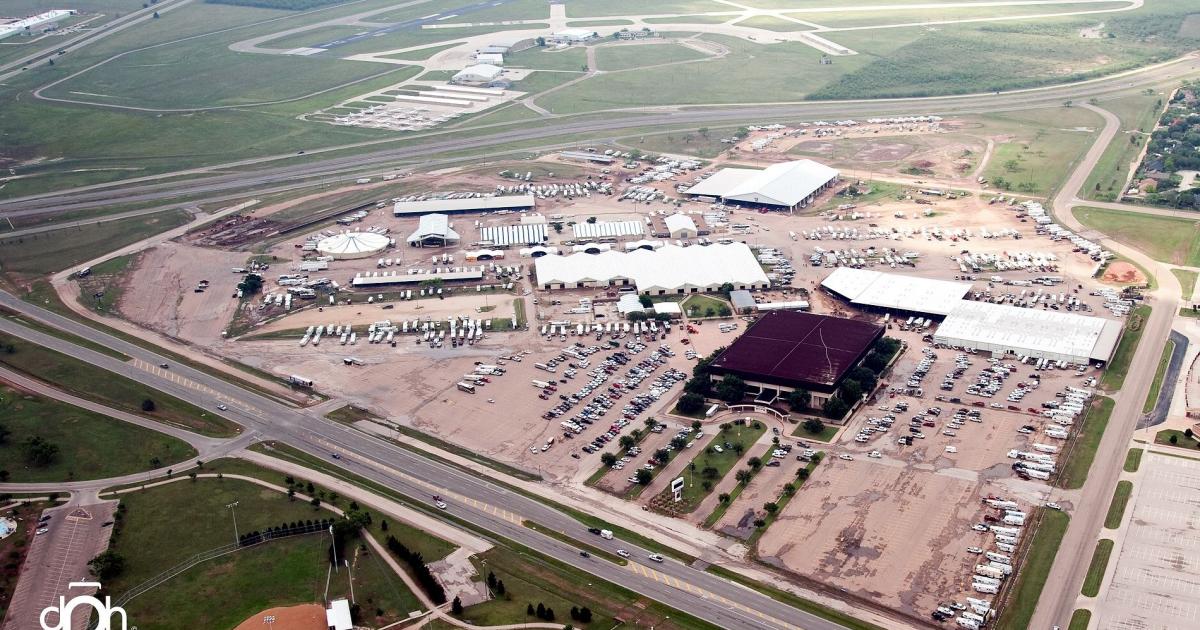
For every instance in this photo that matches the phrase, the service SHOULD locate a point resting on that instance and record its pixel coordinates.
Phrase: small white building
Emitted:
(494, 59)
(573, 36)
(681, 226)
(433, 230)
(337, 616)
(478, 73)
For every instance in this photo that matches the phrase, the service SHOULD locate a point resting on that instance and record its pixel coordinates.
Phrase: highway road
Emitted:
(474, 499)
(1074, 555)
(241, 175)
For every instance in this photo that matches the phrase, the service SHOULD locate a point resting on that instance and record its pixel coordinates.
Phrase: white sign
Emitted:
(677, 489)
(104, 611)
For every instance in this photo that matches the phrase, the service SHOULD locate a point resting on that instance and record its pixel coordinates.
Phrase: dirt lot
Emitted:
(302, 617)
(159, 294)
(467, 305)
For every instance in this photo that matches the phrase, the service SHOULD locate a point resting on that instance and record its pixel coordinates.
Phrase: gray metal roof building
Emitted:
(473, 204)
(1041, 334)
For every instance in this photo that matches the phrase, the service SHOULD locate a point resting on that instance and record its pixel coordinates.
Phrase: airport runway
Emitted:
(415, 23)
(471, 498)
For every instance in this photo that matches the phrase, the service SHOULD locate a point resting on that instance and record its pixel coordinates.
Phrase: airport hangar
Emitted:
(667, 270)
(789, 350)
(996, 328)
(787, 185)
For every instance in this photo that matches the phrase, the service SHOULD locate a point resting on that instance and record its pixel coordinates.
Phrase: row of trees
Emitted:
(419, 570)
(284, 530)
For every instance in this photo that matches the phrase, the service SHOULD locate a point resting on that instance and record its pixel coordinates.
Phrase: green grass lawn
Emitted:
(1080, 619)
(605, 8)
(850, 19)
(693, 143)
(1118, 367)
(573, 59)
(1043, 146)
(102, 289)
(1116, 509)
(1033, 575)
(1168, 239)
(88, 381)
(698, 305)
(1156, 384)
(1075, 472)
(1181, 439)
(628, 56)
(90, 445)
(722, 507)
(744, 435)
(692, 19)
(842, 619)
(825, 435)
(1133, 459)
(278, 573)
(1095, 574)
(1138, 114)
(1187, 282)
(40, 254)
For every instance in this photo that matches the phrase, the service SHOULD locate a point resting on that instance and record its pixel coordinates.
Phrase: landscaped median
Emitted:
(720, 455)
(1116, 509)
(1080, 620)
(1174, 437)
(1118, 367)
(1095, 574)
(1087, 440)
(1133, 460)
(1032, 578)
(789, 491)
(1156, 384)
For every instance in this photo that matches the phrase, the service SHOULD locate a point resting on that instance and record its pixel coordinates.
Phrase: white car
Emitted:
(622, 553)
(442, 505)
(974, 550)
(222, 407)
(979, 527)
(656, 557)
(845, 457)
(875, 455)
(1054, 506)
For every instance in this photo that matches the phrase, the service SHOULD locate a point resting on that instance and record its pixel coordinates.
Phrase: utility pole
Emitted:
(333, 545)
(231, 506)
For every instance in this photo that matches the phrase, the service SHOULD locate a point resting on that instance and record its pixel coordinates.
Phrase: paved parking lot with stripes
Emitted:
(1156, 583)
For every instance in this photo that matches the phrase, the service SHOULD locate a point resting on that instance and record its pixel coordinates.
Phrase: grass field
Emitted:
(825, 435)
(1133, 459)
(1116, 509)
(696, 306)
(1137, 114)
(693, 143)
(278, 573)
(90, 445)
(1187, 282)
(772, 23)
(1118, 367)
(1168, 239)
(853, 19)
(1075, 472)
(39, 254)
(1033, 575)
(606, 8)
(1045, 145)
(573, 59)
(692, 19)
(1080, 619)
(627, 56)
(87, 381)
(847, 621)
(102, 289)
(1095, 573)
(1156, 384)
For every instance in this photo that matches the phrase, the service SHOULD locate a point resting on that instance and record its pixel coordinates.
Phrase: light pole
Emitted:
(333, 546)
(232, 511)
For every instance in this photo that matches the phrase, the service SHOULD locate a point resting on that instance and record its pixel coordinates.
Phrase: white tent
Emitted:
(681, 226)
(786, 184)
(668, 270)
(433, 231)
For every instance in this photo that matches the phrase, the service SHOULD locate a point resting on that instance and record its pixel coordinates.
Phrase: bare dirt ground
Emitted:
(1121, 272)
(158, 291)
(362, 314)
(302, 617)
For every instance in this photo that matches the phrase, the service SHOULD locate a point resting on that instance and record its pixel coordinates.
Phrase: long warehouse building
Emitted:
(896, 292)
(471, 204)
(787, 185)
(1041, 334)
(667, 270)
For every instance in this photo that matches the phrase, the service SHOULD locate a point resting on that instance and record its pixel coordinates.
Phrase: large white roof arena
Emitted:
(353, 245)
(1036, 333)
(896, 292)
(784, 184)
(670, 269)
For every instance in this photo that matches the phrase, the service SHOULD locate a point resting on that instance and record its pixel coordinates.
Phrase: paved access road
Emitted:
(471, 498)
(233, 176)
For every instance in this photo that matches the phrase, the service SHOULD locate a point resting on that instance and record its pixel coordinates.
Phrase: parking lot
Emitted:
(1156, 582)
(921, 459)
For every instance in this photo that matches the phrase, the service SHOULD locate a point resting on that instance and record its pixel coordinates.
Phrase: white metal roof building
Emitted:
(629, 303)
(494, 59)
(1041, 334)
(382, 278)
(433, 231)
(506, 235)
(353, 245)
(787, 184)
(571, 35)
(609, 229)
(668, 270)
(681, 226)
(896, 292)
(337, 616)
(474, 204)
(478, 73)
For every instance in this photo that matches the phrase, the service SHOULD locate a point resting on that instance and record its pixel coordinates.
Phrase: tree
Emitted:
(251, 284)
(541, 610)
(148, 405)
(690, 403)
(731, 389)
(500, 590)
(1187, 432)
(835, 408)
(814, 426)
(662, 454)
(107, 565)
(645, 301)
(626, 441)
(549, 614)
(723, 497)
(1012, 166)
(636, 316)
(758, 522)
(799, 399)
(585, 615)
(771, 507)
(529, 608)
(789, 489)
(803, 474)
(696, 424)
(864, 377)
(4, 433)
(755, 462)
(541, 41)
(851, 391)
(726, 289)
(315, 502)
(456, 606)
(291, 494)
(743, 476)
(710, 472)
(724, 311)
(1174, 439)
(39, 452)
(643, 476)
(591, 219)
(608, 459)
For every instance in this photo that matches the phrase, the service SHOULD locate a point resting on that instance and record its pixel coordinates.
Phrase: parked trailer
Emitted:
(989, 571)
(466, 387)
(300, 381)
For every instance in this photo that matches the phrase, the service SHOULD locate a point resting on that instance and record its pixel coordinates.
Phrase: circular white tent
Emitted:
(352, 245)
